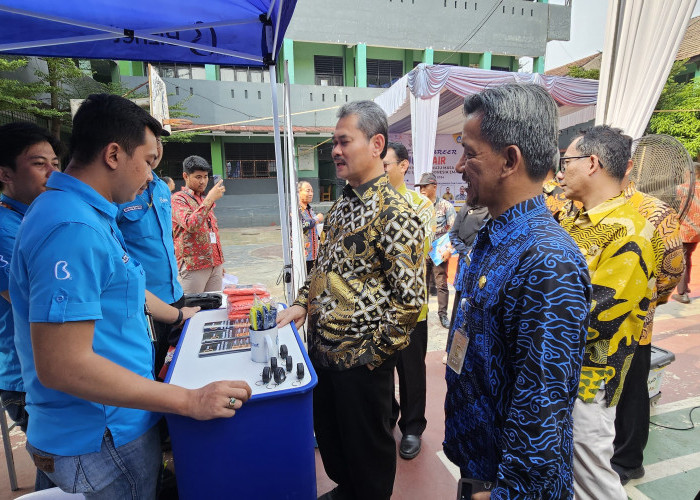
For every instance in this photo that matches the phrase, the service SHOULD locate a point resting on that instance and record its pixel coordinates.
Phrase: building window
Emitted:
(250, 160)
(243, 74)
(329, 71)
(186, 71)
(381, 73)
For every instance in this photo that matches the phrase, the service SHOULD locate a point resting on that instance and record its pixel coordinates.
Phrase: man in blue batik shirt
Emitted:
(516, 347)
(80, 329)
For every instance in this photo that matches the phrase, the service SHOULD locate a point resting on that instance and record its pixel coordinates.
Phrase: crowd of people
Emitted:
(561, 264)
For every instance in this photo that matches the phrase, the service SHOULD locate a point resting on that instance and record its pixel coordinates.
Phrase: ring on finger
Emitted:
(231, 402)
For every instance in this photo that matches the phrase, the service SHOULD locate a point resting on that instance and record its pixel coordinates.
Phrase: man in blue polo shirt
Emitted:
(80, 329)
(146, 224)
(28, 156)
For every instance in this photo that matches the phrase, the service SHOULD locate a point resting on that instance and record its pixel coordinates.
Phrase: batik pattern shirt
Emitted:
(524, 307)
(308, 226)
(445, 215)
(620, 247)
(426, 213)
(365, 293)
(193, 224)
(557, 203)
(670, 261)
(690, 227)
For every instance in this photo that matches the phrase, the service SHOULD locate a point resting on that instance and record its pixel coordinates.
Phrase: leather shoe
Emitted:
(445, 322)
(410, 446)
(627, 474)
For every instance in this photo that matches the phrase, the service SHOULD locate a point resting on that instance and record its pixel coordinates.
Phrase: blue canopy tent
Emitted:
(231, 32)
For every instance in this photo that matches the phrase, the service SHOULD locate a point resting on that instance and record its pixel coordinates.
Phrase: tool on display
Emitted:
(263, 316)
(289, 363)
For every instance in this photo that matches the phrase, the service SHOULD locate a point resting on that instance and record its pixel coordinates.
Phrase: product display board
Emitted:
(266, 450)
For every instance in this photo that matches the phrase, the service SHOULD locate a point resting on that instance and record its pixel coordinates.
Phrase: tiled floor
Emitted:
(672, 458)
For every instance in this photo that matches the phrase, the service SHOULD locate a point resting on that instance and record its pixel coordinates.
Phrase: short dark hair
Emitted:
(167, 179)
(610, 145)
(105, 118)
(193, 163)
(371, 119)
(399, 150)
(16, 137)
(520, 114)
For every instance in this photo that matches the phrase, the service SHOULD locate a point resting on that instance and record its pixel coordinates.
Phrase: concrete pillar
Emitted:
(349, 69)
(407, 60)
(361, 64)
(485, 60)
(428, 56)
(217, 155)
(538, 65)
(210, 71)
(131, 68)
(288, 56)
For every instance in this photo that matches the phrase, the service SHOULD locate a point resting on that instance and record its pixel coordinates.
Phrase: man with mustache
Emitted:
(363, 298)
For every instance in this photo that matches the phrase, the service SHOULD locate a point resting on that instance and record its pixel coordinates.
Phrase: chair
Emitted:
(9, 458)
(326, 193)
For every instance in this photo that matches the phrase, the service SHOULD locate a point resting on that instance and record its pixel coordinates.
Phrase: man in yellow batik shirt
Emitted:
(620, 247)
(410, 364)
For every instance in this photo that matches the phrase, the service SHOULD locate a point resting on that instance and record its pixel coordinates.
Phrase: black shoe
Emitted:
(445, 322)
(627, 474)
(410, 446)
(433, 292)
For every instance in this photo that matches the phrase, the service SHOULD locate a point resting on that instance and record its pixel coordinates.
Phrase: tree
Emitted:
(677, 112)
(580, 72)
(21, 96)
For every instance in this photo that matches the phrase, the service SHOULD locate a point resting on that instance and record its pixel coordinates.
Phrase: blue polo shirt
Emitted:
(10, 219)
(70, 264)
(147, 226)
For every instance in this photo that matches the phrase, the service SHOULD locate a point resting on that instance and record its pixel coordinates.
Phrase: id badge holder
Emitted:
(458, 350)
(212, 237)
(149, 324)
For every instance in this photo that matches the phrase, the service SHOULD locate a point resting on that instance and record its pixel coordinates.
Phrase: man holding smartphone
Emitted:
(198, 249)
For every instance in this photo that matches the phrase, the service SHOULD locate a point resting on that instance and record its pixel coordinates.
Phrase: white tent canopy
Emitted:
(641, 40)
(428, 101)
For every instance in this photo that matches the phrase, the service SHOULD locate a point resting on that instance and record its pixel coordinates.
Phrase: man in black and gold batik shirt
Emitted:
(362, 299)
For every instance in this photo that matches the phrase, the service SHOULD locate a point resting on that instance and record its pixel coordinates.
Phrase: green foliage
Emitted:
(677, 112)
(580, 72)
(21, 96)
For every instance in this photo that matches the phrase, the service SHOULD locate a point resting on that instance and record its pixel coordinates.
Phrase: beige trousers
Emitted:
(203, 280)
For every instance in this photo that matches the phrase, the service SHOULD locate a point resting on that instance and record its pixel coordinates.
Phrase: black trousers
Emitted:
(163, 340)
(410, 366)
(352, 409)
(438, 274)
(632, 413)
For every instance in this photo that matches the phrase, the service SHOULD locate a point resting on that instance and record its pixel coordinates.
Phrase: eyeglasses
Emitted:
(387, 163)
(563, 161)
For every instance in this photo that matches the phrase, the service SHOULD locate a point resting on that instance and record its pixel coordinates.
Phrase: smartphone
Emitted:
(216, 178)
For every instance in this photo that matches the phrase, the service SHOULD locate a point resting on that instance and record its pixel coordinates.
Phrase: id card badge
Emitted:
(458, 350)
(212, 237)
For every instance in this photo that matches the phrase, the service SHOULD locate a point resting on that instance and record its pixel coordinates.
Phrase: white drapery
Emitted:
(641, 40)
(423, 133)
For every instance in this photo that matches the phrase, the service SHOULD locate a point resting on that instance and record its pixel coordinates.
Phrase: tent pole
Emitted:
(284, 210)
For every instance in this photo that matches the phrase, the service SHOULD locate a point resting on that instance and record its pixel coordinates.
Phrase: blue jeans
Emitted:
(13, 402)
(128, 472)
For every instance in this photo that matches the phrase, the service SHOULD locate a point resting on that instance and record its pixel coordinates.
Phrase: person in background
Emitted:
(363, 298)
(621, 249)
(146, 224)
(28, 157)
(198, 249)
(690, 235)
(632, 411)
(448, 196)
(309, 219)
(80, 326)
(169, 181)
(516, 347)
(462, 196)
(411, 360)
(445, 216)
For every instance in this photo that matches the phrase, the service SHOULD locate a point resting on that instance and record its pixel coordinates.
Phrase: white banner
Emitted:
(448, 150)
(158, 95)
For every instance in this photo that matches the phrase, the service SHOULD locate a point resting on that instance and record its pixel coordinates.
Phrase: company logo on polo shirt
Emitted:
(164, 200)
(3, 262)
(61, 271)
(133, 207)
(125, 258)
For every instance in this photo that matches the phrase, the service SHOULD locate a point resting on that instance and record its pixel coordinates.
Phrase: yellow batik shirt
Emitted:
(619, 245)
(426, 213)
(365, 293)
(670, 262)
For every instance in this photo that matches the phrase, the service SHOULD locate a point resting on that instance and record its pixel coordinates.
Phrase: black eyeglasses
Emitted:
(563, 161)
